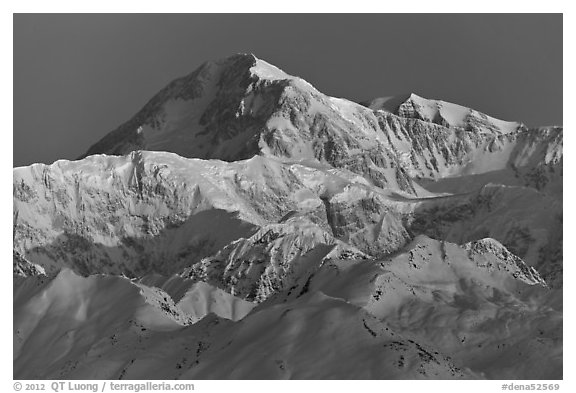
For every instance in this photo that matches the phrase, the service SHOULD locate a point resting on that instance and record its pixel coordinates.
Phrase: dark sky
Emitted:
(77, 77)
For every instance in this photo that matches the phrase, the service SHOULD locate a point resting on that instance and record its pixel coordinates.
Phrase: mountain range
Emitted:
(244, 225)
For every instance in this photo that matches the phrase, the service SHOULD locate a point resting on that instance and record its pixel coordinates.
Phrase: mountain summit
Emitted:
(198, 115)
(443, 113)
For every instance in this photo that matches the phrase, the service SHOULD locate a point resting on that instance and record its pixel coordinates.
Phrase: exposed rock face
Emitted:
(242, 209)
(25, 268)
(494, 256)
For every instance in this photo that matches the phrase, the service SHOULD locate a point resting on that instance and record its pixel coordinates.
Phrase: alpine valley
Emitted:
(244, 225)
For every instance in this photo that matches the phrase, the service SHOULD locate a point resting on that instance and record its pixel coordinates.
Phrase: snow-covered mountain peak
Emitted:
(492, 255)
(241, 106)
(454, 115)
(443, 113)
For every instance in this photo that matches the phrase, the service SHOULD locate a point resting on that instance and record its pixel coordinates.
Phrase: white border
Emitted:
(254, 6)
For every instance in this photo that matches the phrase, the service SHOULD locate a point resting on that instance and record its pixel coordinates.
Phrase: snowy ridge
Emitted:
(158, 211)
(443, 113)
(155, 211)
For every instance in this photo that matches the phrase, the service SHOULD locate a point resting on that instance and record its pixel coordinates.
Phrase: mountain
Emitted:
(256, 228)
(235, 108)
